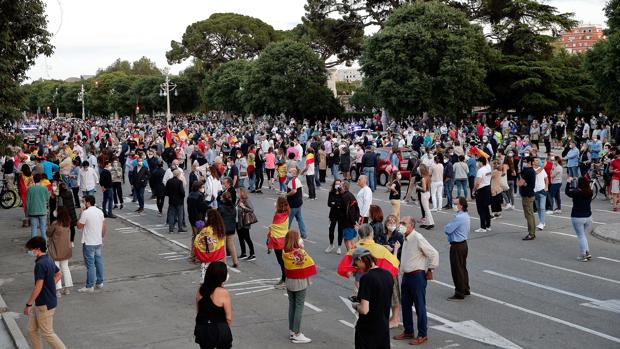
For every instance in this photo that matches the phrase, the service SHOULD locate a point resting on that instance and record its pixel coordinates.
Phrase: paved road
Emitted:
(525, 294)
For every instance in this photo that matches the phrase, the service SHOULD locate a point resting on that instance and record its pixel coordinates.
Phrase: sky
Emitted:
(91, 34)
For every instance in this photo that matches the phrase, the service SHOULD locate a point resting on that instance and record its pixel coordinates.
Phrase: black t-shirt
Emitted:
(376, 287)
(45, 269)
(529, 175)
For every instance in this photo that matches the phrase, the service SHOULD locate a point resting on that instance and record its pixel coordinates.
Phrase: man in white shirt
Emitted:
(168, 174)
(88, 179)
(364, 198)
(540, 193)
(92, 224)
(482, 190)
(418, 259)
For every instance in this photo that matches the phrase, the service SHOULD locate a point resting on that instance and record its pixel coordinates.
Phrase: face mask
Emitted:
(527, 154)
(202, 190)
(238, 156)
(391, 227)
(402, 229)
(337, 187)
(399, 176)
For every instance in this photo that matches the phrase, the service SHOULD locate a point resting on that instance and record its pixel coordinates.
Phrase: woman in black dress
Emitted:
(214, 308)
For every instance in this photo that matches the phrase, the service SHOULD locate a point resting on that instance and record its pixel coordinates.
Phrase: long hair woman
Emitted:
(334, 201)
(425, 194)
(229, 215)
(66, 201)
(276, 235)
(244, 205)
(59, 247)
(395, 193)
(581, 214)
(209, 244)
(214, 309)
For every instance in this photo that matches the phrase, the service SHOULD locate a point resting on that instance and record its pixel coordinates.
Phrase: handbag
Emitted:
(248, 218)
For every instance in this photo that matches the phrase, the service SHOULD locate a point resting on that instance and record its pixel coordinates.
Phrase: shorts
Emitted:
(349, 234)
(615, 186)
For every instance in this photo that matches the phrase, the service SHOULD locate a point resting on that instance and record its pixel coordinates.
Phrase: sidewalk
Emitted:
(608, 232)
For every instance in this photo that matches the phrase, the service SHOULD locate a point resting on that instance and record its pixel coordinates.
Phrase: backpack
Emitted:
(353, 212)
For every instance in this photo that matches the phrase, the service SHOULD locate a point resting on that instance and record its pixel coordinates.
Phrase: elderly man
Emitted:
(418, 259)
(176, 195)
(457, 231)
(364, 198)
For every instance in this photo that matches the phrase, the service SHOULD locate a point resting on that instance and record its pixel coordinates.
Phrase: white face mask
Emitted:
(402, 229)
(391, 227)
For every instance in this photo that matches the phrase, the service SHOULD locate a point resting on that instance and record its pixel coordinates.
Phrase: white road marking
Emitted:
(165, 253)
(267, 288)
(313, 307)
(453, 345)
(571, 271)
(172, 255)
(125, 228)
(609, 259)
(535, 313)
(558, 216)
(472, 330)
(128, 231)
(346, 323)
(253, 281)
(177, 258)
(249, 288)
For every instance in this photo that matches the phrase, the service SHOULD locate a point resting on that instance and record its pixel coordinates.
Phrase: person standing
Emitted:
(105, 181)
(37, 199)
(372, 329)
(229, 215)
(259, 169)
(555, 194)
(349, 217)
(614, 169)
(298, 268)
(140, 178)
(395, 192)
(196, 210)
(425, 194)
(209, 243)
(369, 165)
(540, 191)
(59, 247)
(66, 201)
(276, 235)
(310, 174)
(214, 309)
(176, 196)
(460, 176)
(244, 206)
(482, 188)
(334, 202)
(92, 224)
(457, 231)
(437, 182)
(526, 187)
(270, 167)
(43, 297)
(364, 199)
(294, 197)
(117, 182)
(497, 191)
(157, 186)
(87, 179)
(581, 214)
(418, 259)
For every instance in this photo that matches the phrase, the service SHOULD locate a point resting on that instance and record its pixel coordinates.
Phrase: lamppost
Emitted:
(164, 90)
(112, 92)
(54, 100)
(81, 99)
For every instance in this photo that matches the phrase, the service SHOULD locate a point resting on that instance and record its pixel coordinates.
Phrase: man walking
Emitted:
(37, 199)
(42, 303)
(309, 172)
(457, 231)
(93, 227)
(364, 198)
(526, 189)
(105, 181)
(369, 164)
(176, 196)
(418, 259)
(294, 197)
(140, 178)
(87, 179)
(372, 329)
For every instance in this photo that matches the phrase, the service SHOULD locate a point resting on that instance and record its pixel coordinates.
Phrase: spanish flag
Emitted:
(298, 264)
(309, 159)
(183, 134)
(168, 137)
(277, 231)
(384, 258)
(208, 247)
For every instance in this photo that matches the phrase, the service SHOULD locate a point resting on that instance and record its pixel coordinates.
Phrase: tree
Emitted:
(428, 57)
(288, 77)
(223, 86)
(145, 66)
(24, 36)
(221, 38)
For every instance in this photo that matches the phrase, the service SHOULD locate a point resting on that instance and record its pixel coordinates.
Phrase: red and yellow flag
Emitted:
(309, 159)
(208, 247)
(168, 137)
(183, 134)
(277, 231)
(384, 258)
(298, 264)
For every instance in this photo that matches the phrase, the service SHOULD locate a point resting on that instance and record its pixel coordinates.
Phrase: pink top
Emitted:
(270, 161)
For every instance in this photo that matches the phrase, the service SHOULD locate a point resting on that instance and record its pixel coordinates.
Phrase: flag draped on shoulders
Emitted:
(208, 247)
(277, 231)
(384, 259)
(309, 159)
(298, 264)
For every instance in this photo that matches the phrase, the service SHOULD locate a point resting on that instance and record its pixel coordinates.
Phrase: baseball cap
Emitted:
(358, 253)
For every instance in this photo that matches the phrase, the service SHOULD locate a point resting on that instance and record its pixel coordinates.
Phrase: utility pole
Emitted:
(164, 90)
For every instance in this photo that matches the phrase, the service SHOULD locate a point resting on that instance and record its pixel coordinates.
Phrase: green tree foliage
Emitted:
(221, 38)
(364, 99)
(23, 37)
(288, 77)
(429, 58)
(223, 86)
(347, 88)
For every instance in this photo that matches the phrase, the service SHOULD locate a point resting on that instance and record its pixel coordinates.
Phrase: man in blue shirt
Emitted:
(457, 231)
(43, 297)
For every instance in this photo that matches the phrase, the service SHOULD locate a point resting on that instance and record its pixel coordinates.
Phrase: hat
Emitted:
(359, 253)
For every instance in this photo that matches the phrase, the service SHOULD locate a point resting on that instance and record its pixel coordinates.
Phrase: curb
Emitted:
(16, 334)
(603, 236)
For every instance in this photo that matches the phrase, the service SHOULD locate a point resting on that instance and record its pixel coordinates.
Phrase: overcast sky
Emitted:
(91, 34)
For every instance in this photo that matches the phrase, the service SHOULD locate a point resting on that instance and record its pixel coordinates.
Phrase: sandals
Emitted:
(529, 237)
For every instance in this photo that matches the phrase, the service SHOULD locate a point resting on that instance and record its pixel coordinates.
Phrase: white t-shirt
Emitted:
(540, 181)
(484, 173)
(92, 218)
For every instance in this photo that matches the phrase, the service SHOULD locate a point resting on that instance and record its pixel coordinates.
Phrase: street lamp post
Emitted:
(56, 95)
(164, 90)
(81, 99)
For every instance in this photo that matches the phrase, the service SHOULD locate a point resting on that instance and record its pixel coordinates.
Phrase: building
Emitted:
(348, 74)
(581, 39)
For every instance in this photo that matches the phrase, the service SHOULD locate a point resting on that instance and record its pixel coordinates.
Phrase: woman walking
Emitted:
(66, 201)
(209, 244)
(556, 184)
(229, 215)
(299, 267)
(244, 206)
(395, 193)
(259, 169)
(214, 310)
(581, 214)
(276, 235)
(334, 202)
(59, 248)
(270, 166)
(425, 195)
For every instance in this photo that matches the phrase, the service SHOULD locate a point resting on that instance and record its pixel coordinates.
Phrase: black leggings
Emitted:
(270, 173)
(72, 232)
(76, 197)
(281, 262)
(332, 228)
(260, 178)
(244, 238)
(483, 200)
(118, 192)
(420, 201)
(160, 202)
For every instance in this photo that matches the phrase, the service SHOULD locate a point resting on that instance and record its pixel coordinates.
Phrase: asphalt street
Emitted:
(525, 294)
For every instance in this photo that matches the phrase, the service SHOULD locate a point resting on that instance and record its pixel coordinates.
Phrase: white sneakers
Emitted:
(508, 207)
(99, 286)
(300, 339)
(329, 248)
(540, 226)
(549, 212)
(480, 230)
(339, 251)
(86, 290)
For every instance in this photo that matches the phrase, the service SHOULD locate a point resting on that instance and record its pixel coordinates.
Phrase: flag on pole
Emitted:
(298, 264)
(168, 137)
(384, 259)
(277, 231)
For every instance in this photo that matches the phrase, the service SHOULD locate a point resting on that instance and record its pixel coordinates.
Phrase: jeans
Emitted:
(35, 223)
(241, 182)
(139, 193)
(541, 198)
(413, 293)
(573, 171)
(461, 183)
(554, 195)
(108, 200)
(88, 193)
(335, 172)
(581, 225)
(295, 309)
(447, 188)
(370, 173)
(437, 195)
(251, 181)
(174, 217)
(296, 213)
(94, 261)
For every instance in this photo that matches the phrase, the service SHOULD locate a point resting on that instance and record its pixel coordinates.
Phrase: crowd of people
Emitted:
(486, 159)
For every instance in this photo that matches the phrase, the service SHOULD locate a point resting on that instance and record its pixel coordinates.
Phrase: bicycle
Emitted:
(8, 196)
(598, 184)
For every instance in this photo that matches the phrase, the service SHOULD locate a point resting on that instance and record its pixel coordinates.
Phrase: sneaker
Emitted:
(540, 226)
(251, 258)
(72, 245)
(243, 256)
(86, 290)
(429, 227)
(159, 214)
(508, 207)
(66, 291)
(58, 294)
(480, 230)
(549, 212)
(329, 248)
(588, 255)
(300, 339)
(489, 230)
(291, 334)
(339, 251)
(99, 286)
(583, 258)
